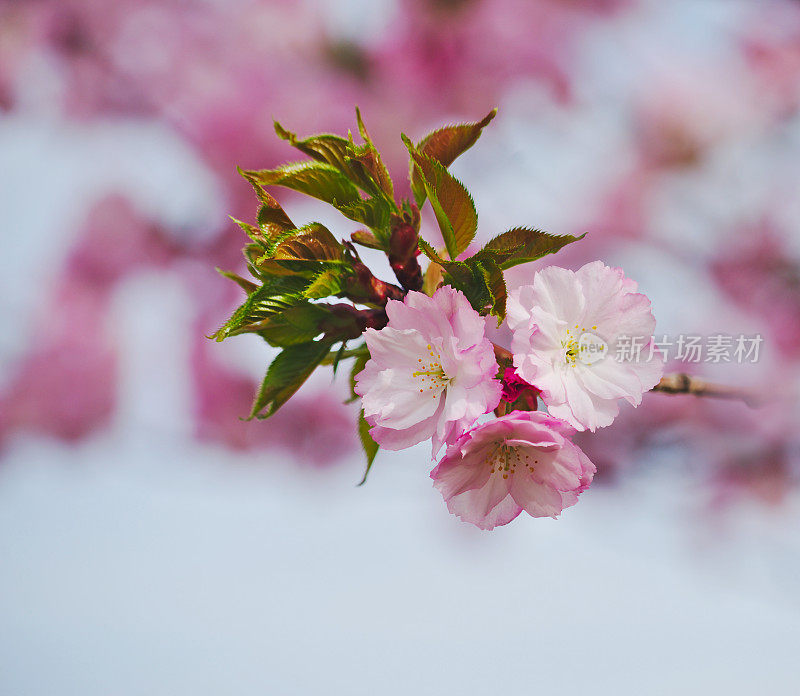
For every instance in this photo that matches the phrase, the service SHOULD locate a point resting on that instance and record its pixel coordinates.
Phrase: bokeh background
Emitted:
(152, 542)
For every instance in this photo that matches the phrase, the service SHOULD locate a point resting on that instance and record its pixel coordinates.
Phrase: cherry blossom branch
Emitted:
(681, 383)
(365, 287)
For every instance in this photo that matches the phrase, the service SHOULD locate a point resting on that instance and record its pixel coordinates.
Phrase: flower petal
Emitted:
(397, 401)
(393, 439)
(537, 499)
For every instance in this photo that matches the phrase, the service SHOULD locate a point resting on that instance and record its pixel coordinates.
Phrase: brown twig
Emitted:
(404, 249)
(505, 357)
(364, 287)
(681, 383)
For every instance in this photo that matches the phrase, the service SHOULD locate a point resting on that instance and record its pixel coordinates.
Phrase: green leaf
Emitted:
(325, 284)
(324, 147)
(267, 269)
(276, 295)
(271, 217)
(360, 164)
(331, 149)
(246, 285)
(458, 272)
(307, 251)
(257, 234)
(286, 375)
(478, 277)
(444, 145)
(299, 324)
(307, 321)
(367, 443)
(372, 212)
(318, 179)
(340, 354)
(358, 365)
(367, 239)
(496, 284)
(369, 158)
(313, 242)
(521, 245)
(252, 252)
(453, 206)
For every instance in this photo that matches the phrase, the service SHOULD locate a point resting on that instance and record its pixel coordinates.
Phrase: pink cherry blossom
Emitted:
(584, 338)
(431, 371)
(522, 461)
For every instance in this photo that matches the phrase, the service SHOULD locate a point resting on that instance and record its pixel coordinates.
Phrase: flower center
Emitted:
(571, 350)
(431, 375)
(504, 460)
(582, 345)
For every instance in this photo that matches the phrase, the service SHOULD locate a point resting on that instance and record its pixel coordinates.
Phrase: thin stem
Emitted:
(503, 355)
(681, 383)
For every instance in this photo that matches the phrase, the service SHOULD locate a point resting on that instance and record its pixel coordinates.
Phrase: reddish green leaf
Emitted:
(453, 206)
(444, 145)
(311, 243)
(521, 245)
(246, 285)
(318, 179)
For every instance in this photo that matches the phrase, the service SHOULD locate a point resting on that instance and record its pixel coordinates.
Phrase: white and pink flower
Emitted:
(431, 371)
(585, 339)
(522, 461)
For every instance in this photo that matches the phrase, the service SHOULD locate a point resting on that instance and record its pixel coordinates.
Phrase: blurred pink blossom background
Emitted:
(698, 173)
(150, 533)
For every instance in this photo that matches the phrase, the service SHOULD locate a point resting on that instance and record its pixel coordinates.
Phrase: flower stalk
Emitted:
(681, 383)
